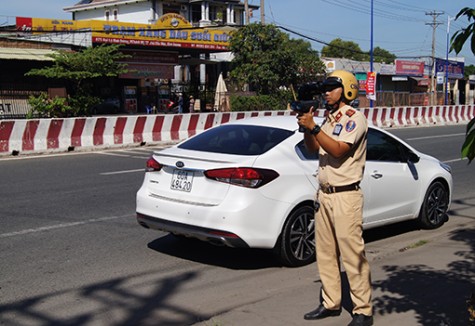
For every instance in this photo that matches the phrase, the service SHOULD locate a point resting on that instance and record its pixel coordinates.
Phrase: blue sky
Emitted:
(399, 26)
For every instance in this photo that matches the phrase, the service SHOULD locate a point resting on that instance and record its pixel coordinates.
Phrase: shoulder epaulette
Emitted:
(350, 112)
(338, 116)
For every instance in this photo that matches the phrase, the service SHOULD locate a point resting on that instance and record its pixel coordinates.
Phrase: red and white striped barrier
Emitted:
(49, 135)
(388, 117)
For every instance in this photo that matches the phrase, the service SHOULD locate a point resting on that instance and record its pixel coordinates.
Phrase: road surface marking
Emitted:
(59, 226)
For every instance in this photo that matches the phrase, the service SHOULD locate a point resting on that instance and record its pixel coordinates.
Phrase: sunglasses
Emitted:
(329, 88)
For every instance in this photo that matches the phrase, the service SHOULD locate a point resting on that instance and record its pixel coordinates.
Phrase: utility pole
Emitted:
(246, 11)
(263, 19)
(434, 24)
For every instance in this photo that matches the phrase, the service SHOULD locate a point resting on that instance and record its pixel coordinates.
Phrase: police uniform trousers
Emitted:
(339, 234)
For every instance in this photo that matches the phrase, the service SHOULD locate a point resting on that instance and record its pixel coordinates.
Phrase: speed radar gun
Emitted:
(308, 96)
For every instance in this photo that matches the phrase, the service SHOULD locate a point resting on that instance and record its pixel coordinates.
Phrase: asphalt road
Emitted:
(73, 254)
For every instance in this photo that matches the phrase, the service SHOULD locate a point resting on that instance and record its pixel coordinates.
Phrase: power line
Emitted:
(377, 12)
(400, 6)
(335, 46)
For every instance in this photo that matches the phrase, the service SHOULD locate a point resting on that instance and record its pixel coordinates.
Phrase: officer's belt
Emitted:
(328, 189)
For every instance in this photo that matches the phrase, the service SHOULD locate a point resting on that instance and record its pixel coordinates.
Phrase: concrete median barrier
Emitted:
(61, 135)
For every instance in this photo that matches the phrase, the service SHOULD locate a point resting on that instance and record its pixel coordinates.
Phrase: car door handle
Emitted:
(376, 175)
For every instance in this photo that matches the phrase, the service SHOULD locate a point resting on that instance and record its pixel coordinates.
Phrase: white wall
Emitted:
(131, 13)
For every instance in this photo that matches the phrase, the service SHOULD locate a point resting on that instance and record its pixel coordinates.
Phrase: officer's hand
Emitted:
(306, 119)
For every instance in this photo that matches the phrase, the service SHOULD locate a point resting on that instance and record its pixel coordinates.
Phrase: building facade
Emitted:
(408, 82)
(175, 47)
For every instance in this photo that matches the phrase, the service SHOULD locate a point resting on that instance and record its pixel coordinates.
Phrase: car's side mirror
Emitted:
(412, 157)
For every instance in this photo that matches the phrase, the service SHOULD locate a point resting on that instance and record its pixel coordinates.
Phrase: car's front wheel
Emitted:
(297, 243)
(434, 208)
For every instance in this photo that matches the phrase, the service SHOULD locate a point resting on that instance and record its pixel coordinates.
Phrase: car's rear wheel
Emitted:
(434, 208)
(297, 243)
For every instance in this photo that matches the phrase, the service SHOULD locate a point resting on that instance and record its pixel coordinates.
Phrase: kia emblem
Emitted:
(180, 164)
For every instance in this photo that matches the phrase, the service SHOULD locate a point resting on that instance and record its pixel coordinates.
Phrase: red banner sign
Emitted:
(371, 85)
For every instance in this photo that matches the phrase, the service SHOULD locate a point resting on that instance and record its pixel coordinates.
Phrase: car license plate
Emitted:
(182, 180)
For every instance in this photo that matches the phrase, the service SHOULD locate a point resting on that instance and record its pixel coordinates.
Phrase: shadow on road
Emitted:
(438, 297)
(205, 253)
(140, 299)
(249, 259)
(390, 231)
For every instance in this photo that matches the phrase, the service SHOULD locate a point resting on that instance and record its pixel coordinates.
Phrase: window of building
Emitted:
(217, 13)
(238, 17)
(171, 8)
(195, 13)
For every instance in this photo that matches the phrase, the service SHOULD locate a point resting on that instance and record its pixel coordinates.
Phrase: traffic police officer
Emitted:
(341, 143)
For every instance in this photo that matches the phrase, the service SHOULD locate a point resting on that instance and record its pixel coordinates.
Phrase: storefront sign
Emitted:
(138, 71)
(440, 78)
(171, 30)
(361, 79)
(330, 65)
(148, 57)
(455, 68)
(146, 64)
(409, 68)
(399, 78)
(371, 85)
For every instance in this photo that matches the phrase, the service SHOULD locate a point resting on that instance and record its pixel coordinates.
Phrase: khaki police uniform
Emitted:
(340, 217)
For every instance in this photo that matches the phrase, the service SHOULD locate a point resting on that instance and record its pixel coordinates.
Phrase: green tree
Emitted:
(79, 70)
(266, 59)
(49, 108)
(457, 42)
(461, 36)
(383, 56)
(338, 48)
(469, 70)
(309, 66)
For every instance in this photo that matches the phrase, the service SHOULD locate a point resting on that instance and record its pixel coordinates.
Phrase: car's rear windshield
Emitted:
(237, 139)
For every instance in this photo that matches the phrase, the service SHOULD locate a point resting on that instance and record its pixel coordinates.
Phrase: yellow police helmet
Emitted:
(346, 80)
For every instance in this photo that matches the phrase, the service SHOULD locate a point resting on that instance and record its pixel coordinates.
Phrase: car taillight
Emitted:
(153, 165)
(245, 177)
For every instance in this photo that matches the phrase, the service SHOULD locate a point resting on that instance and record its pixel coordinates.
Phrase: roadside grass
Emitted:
(418, 244)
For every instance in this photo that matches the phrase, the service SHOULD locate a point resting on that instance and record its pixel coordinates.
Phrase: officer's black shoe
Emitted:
(321, 312)
(361, 320)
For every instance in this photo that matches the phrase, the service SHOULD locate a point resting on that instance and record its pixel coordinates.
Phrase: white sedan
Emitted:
(251, 183)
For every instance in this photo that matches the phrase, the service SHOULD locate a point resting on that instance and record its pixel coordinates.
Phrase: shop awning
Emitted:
(421, 81)
(25, 54)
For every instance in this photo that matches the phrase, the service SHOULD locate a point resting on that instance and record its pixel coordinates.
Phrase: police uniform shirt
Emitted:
(350, 126)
